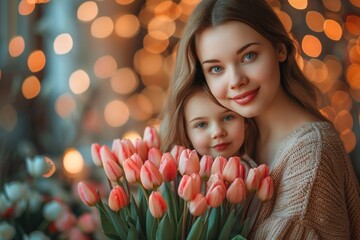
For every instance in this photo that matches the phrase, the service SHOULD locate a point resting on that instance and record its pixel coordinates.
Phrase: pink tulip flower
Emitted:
(88, 194)
(252, 179)
(95, 154)
(66, 221)
(106, 154)
(232, 169)
(154, 156)
(168, 168)
(151, 137)
(264, 170)
(141, 148)
(189, 186)
(218, 165)
(216, 195)
(157, 204)
(150, 176)
(176, 152)
(77, 234)
(206, 163)
(118, 199)
(215, 179)
(132, 168)
(189, 162)
(266, 189)
(122, 149)
(236, 191)
(87, 223)
(198, 205)
(112, 169)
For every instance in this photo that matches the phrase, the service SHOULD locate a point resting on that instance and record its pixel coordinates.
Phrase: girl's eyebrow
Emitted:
(237, 52)
(196, 119)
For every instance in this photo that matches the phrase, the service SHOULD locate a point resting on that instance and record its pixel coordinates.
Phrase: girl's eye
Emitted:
(228, 117)
(215, 69)
(249, 57)
(200, 125)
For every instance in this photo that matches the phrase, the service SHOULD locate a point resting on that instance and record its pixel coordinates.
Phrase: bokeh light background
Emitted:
(77, 72)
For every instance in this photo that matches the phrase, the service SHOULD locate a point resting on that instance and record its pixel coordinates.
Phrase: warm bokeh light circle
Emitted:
(31, 87)
(16, 46)
(36, 61)
(87, 11)
(116, 113)
(73, 161)
(79, 81)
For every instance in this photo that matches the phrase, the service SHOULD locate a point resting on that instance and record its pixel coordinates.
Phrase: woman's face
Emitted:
(212, 129)
(241, 67)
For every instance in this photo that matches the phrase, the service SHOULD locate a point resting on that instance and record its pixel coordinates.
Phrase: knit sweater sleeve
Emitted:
(315, 192)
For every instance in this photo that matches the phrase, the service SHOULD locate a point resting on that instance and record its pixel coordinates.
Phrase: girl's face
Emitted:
(241, 67)
(212, 129)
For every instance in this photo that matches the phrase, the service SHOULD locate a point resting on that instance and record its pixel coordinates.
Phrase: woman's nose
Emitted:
(237, 78)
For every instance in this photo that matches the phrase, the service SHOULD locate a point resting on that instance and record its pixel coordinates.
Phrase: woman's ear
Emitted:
(282, 52)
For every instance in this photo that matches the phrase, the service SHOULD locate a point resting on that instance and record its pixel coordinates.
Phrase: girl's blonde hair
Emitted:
(261, 17)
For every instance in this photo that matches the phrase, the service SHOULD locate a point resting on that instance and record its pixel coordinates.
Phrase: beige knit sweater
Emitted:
(316, 191)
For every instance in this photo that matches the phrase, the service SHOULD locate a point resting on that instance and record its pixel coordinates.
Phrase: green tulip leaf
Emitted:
(196, 229)
(238, 237)
(133, 208)
(140, 229)
(107, 225)
(238, 225)
(179, 228)
(143, 206)
(111, 222)
(213, 224)
(132, 233)
(226, 230)
(173, 209)
(149, 224)
(165, 229)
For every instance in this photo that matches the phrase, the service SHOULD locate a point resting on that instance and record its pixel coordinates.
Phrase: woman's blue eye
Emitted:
(216, 69)
(249, 56)
(200, 125)
(228, 118)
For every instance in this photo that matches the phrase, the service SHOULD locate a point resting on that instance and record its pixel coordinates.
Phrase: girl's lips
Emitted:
(246, 97)
(221, 146)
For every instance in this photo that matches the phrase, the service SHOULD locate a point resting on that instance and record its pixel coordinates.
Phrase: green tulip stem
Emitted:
(44, 225)
(145, 194)
(127, 186)
(184, 221)
(207, 215)
(246, 206)
(109, 182)
(127, 209)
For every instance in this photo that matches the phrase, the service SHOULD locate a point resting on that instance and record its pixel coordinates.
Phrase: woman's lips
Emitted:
(221, 146)
(246, 97)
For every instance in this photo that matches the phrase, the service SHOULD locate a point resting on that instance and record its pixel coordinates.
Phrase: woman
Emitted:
(249, 63)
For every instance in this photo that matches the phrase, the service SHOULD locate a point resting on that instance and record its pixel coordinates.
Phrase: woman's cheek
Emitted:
(217, 89)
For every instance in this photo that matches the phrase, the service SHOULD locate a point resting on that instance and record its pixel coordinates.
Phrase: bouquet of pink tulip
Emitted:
(172, 195)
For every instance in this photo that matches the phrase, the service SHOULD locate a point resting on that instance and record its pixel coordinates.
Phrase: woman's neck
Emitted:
(282, 117)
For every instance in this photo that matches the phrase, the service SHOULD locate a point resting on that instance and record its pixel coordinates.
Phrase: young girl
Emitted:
(212, 129)
(249, 62)
(201, 123)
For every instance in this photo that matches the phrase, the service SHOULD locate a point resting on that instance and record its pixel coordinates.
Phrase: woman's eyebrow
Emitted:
(237, 52)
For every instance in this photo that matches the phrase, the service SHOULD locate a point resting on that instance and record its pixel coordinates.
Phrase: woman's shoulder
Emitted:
(314, 138)
(312, 131)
